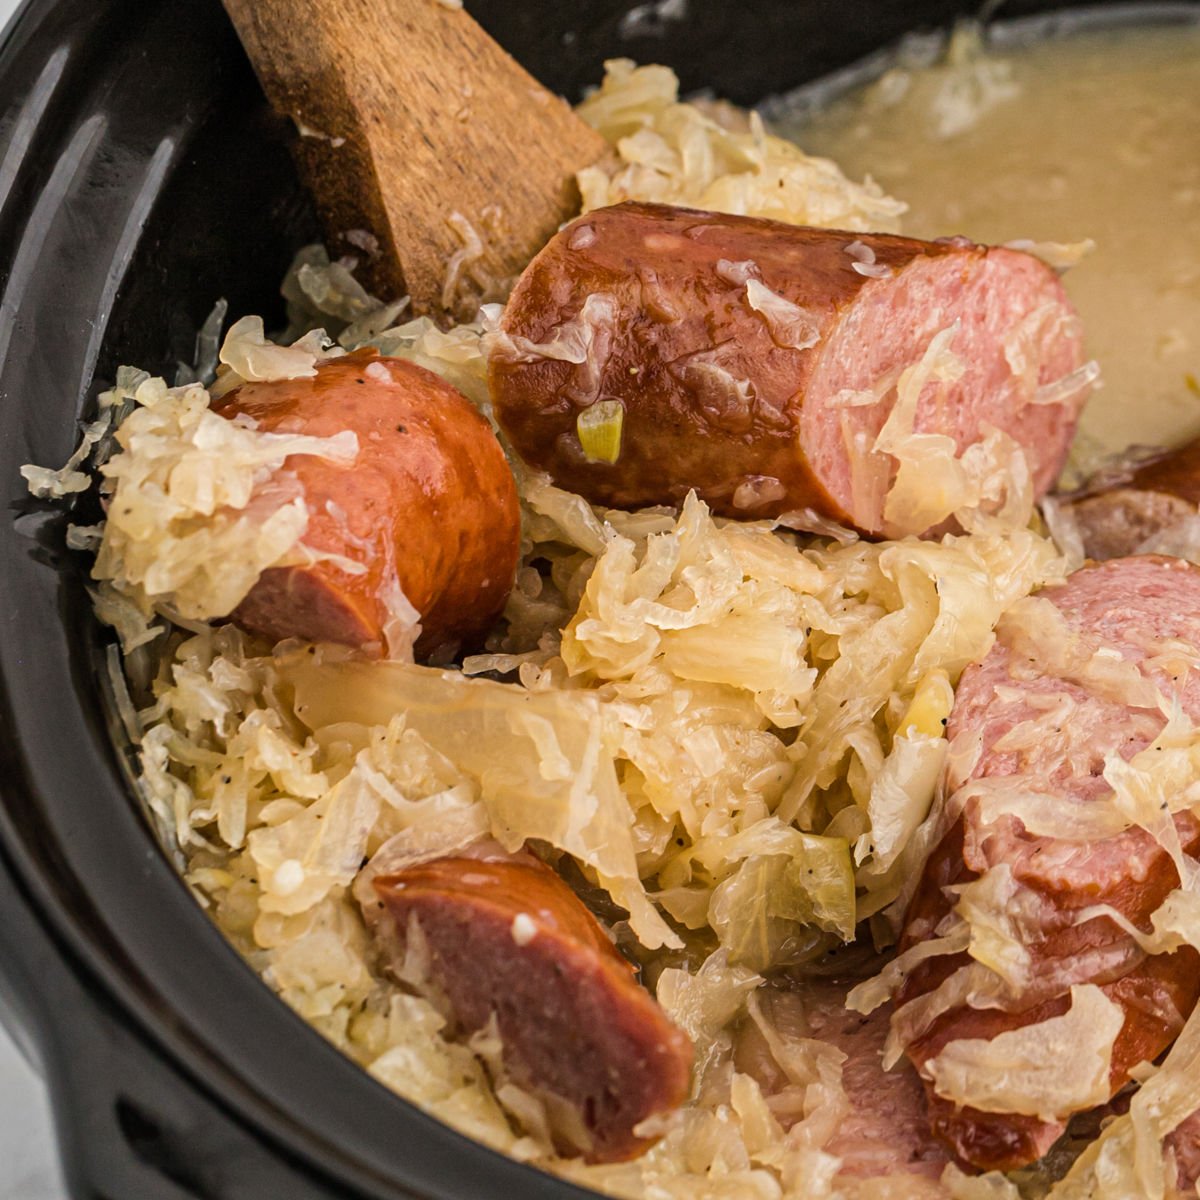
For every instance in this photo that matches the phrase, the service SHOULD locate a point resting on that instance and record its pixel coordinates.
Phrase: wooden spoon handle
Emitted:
(421, 140)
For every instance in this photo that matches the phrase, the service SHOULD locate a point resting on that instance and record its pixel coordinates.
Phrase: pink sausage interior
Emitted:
(889, 327)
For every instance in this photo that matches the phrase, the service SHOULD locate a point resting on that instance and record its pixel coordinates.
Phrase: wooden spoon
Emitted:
(426, 146)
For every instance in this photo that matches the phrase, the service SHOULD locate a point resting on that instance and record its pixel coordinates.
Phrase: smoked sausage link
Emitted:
(1118, 516)
(1049, 728)
(428, 507)
(756, 362)
(510, 940)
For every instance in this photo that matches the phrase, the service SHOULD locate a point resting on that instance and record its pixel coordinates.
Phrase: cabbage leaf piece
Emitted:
(1048, 1070)
(772, 897)
(544, 762)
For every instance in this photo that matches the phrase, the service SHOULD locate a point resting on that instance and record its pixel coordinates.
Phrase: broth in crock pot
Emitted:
(1093, 135)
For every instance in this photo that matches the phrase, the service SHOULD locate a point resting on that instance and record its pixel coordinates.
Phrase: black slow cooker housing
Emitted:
(141, 177)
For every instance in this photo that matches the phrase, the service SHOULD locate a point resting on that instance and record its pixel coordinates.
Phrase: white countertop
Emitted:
(28, 1163)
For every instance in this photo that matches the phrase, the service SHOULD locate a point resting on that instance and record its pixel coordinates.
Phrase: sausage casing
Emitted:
(428, 508)
(756, 362)
(509, 940)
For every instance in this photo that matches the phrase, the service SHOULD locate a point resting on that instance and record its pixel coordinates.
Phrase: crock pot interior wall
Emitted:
(141, 178)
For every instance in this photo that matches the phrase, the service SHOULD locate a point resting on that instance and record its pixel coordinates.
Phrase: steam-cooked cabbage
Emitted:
(199, 506)
(1047, 1070)
(544, 763)
(676, 153)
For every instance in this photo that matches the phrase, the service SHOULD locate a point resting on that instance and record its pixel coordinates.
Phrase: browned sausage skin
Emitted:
(756, 361)
(1128, 607)
(428, 507)
(1118, 516)
(1155, 994)
(508, 939)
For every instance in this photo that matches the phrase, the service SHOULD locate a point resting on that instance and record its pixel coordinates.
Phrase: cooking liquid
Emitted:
(1090, 134)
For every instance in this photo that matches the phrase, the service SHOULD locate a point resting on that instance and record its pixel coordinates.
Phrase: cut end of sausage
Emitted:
(885, 1133)
(1122, 521)
(1151, 507)
(1014, 332)
(510, 942)
(417, 538)
(296, 602)
(756, 363)
(1073, 681)
(1184, 1142)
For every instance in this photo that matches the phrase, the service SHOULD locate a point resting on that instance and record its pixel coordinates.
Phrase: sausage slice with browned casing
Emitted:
(1156, 502)
(428, 509)
(1082, 678)
(508, 940)
(757, 362)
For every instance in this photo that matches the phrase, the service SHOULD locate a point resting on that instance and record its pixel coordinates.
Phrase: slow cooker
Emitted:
(142, 176)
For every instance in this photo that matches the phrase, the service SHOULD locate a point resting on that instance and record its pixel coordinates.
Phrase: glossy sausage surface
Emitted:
(1144, 612)
(508, 939)
(756, 361)
(428, 507)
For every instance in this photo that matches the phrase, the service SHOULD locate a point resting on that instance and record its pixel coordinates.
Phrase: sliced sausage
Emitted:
(509, 940)
(756, 362)
(428, 508)
(1048, 726)
(884, 1134)
(1159, 495)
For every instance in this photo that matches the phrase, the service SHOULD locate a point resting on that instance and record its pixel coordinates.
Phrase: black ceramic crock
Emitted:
(142, 177)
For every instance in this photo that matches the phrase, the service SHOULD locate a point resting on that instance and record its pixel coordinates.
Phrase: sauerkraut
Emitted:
(674, 153)
(734, 729)
(1047, 1070)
